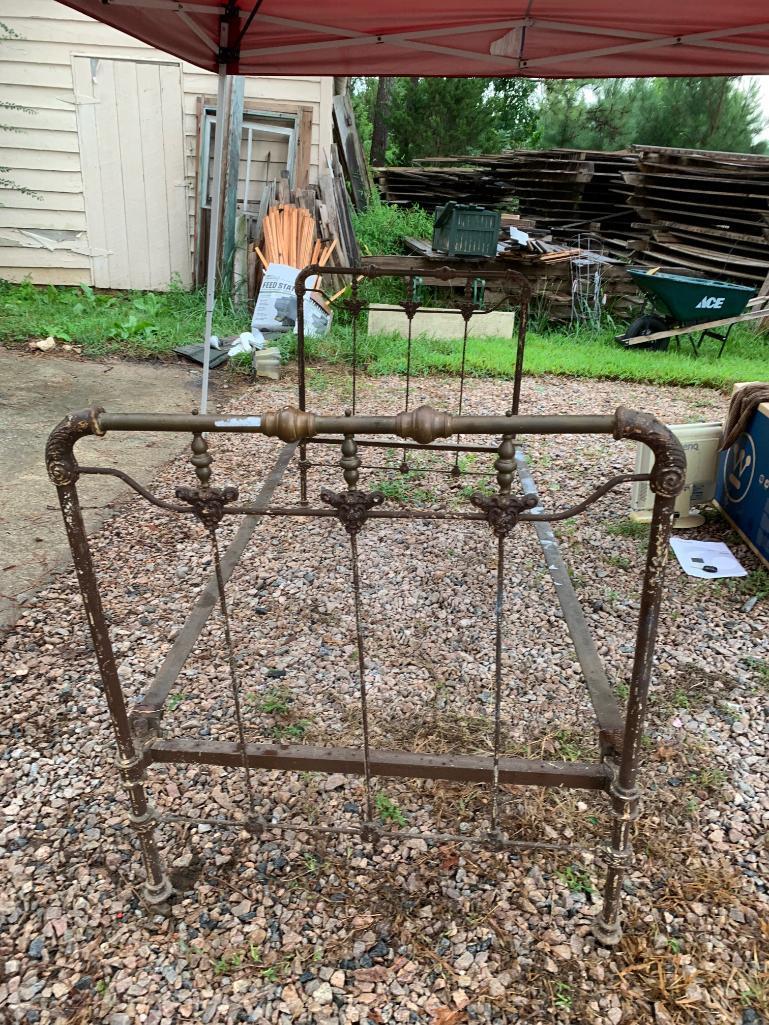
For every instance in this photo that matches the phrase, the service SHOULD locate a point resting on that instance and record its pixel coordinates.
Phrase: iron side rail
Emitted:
(407, 764)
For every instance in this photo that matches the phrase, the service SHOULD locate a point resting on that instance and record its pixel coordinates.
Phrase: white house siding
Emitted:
(46, 239)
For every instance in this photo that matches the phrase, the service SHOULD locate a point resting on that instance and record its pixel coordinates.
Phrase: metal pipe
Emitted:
(253, 424)
(213, 233)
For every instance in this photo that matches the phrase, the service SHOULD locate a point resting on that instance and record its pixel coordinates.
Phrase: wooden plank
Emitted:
(49, 141)
(155, 211)
(35, 217)
(107, 190)
(23, 256)
(351, 151)
(45, 275)
(728, 158)
(692, 328)
(44, 76)
(43, 119)
(34, 160)
(763, 294)
(131, 132)
(49, 181)
(230, 171)
(304, 147)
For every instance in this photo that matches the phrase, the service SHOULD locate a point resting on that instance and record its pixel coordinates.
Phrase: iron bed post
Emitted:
(63, 471)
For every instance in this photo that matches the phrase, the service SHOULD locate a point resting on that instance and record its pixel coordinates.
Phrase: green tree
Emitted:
(701, 113)
(448, 116)
(704, 113)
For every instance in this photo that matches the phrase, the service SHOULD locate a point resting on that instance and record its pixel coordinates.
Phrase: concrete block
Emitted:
(440, 322)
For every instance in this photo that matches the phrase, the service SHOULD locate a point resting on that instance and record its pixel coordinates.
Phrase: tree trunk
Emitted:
(378, 151)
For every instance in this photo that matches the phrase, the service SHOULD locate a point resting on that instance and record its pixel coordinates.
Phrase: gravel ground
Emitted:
(307, 927)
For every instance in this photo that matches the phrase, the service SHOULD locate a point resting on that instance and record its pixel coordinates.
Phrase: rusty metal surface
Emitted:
(139, 745)
(400, 764)
(291, 423)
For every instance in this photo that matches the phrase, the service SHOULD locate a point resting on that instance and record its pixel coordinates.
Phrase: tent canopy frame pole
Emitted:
(213, 230)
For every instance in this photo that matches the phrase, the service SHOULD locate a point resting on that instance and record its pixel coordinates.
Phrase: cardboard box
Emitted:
(742, 484)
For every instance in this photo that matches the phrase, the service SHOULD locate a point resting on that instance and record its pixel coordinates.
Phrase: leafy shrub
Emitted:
(381, 229)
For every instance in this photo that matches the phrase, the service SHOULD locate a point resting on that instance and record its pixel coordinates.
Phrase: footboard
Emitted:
(498, 514)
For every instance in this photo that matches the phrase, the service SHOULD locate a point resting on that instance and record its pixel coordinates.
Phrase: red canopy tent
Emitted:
(537, 38)
(533, 38)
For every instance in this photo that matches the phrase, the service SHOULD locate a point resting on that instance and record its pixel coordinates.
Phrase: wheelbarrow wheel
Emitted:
(648, 324)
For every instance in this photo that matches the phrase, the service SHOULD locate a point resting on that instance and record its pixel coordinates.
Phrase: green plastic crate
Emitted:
(463, 230)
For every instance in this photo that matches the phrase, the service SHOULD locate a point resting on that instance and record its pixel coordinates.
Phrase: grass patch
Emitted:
(620, 561)
(570, 746)
(760, 668)
(139, 324)
(754, 585)
(575, 353)
(576, 879)
(628, 528)
(404, 488)
(151, 324)
(388, 810)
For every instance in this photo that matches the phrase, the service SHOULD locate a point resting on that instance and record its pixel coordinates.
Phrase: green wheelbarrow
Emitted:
(696, 307)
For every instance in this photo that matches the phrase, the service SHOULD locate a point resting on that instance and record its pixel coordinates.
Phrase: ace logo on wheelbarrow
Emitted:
(710, 302)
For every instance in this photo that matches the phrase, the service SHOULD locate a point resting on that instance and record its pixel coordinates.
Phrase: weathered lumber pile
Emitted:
(296, 226)
(432, 186)
(705, 211)
(565, 191)
(557, 273)
(702, 211)
(568, 191)
(289, 238)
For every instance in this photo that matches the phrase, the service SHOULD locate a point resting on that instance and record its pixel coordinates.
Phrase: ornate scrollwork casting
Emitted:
(669, 472)
(208, 503)
(352, 506)
(503, 511)
(59, 456)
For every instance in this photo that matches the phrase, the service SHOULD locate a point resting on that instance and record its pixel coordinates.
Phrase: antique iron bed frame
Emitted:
(464, 298)
(138, 732)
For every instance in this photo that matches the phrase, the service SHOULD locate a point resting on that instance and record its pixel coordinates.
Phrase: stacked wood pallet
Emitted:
(431, 186)
(704, 211)
(566, 190)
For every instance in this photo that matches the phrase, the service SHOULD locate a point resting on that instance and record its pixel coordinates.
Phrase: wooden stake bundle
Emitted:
(289, 238)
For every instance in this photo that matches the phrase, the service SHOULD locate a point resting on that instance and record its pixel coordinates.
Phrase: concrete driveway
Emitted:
(36, 391)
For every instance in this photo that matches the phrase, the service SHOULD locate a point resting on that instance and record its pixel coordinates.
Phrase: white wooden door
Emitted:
(131, 131)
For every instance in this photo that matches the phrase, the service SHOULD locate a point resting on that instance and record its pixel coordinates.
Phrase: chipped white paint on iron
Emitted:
(239, 421)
